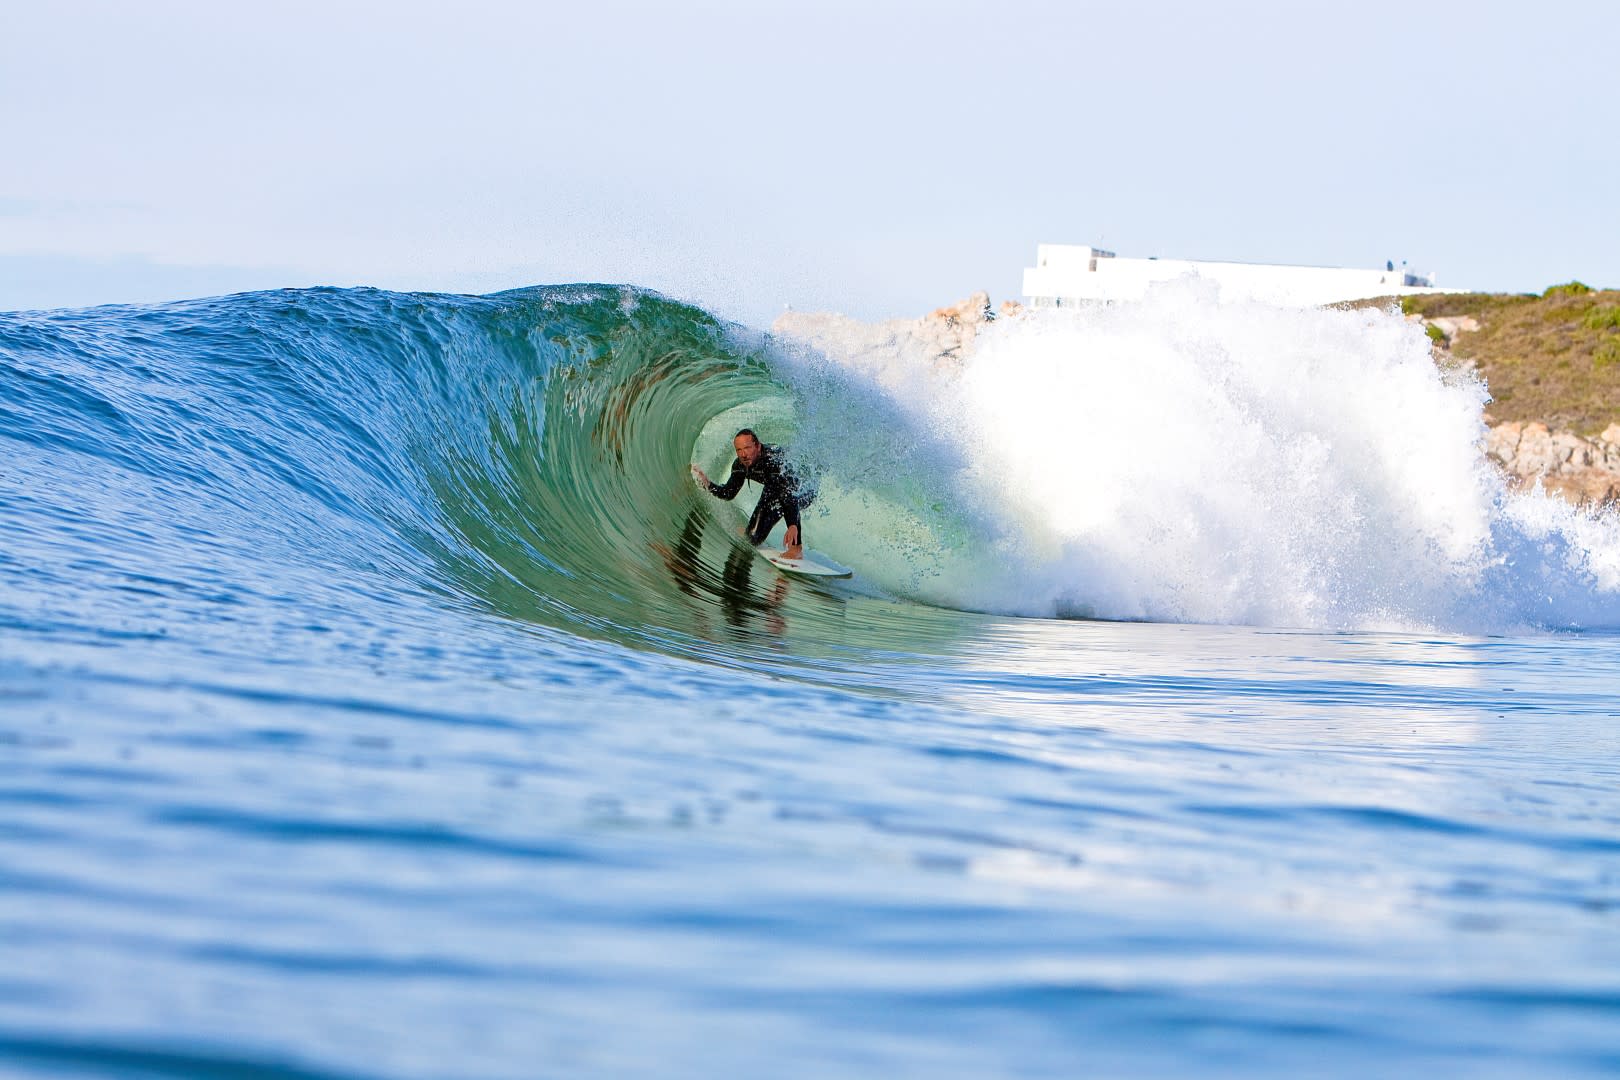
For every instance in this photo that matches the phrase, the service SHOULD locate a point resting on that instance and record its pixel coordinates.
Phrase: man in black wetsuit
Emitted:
(779, 497)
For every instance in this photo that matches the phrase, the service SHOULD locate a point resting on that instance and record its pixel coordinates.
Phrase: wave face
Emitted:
(1180, 460)
(525, 453)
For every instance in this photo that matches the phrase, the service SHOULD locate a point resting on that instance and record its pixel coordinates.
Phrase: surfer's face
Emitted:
(747, 449)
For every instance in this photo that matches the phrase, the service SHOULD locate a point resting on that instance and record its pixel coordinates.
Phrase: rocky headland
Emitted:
(1552, 362)
(939, 339)
(1554, 353)
(1586, 471)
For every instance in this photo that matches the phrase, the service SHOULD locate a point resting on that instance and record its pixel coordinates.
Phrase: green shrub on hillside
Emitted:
(1573, 288)
(1606, 354)
(1436, 335)
(1603, 317)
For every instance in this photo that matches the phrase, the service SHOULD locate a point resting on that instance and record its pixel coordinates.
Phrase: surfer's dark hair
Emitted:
(748, 431)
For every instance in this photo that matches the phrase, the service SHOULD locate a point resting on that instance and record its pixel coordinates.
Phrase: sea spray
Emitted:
(1188, 459)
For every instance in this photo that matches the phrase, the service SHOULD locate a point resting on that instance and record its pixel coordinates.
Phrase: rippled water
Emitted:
(363, 714)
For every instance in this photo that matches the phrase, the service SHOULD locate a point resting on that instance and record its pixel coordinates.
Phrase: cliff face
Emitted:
(1584, 471)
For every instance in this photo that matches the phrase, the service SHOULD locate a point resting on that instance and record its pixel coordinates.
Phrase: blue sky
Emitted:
(876, 159)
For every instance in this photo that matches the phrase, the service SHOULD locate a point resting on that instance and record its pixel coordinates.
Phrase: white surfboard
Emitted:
(812, 564)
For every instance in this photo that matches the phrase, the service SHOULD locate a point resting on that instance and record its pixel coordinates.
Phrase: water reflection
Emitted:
(745, 607)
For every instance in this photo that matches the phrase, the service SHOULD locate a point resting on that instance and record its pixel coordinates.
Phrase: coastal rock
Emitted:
(1535, 455)
(1572, 451)
(1502, 441)
(1587, 487)
(1452, 325)
(1584, 471)
(974, 310)
(895, 350)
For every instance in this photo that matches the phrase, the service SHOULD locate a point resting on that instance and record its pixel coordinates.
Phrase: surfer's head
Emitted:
(747, 444)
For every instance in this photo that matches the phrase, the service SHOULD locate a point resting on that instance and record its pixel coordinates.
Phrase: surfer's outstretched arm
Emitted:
(729, 489)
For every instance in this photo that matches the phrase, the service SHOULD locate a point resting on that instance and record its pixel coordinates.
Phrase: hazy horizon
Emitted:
(875, 161)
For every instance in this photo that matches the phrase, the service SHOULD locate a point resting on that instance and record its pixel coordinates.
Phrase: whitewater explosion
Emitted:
(1188, 459)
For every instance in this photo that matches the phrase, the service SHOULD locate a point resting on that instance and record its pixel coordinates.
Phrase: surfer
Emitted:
(779, 497)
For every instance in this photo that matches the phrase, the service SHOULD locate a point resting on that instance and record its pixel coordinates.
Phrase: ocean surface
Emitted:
(380, 698)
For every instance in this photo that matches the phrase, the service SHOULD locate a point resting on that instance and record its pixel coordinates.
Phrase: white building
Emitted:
(1069, 274)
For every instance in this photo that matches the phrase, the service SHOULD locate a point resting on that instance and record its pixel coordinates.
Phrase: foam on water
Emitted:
(1186, 459)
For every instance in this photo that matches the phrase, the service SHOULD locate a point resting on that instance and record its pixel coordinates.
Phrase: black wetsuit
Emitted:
(780, 498)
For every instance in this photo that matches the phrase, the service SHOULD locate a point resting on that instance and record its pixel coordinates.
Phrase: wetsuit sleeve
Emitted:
(729, 489)
(790, 508)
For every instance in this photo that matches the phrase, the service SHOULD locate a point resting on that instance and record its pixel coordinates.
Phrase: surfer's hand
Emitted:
(699, 475)
(791, 540)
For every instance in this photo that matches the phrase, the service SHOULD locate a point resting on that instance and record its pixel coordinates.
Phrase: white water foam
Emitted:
(1185, 459)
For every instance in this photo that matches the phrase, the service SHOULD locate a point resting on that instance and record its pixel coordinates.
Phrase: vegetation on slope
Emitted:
(1553, 358)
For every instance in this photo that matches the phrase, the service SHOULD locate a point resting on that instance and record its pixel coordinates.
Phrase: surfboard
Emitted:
(813, 564)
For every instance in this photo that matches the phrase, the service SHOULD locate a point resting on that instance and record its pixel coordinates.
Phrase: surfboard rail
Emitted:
(811, 564)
